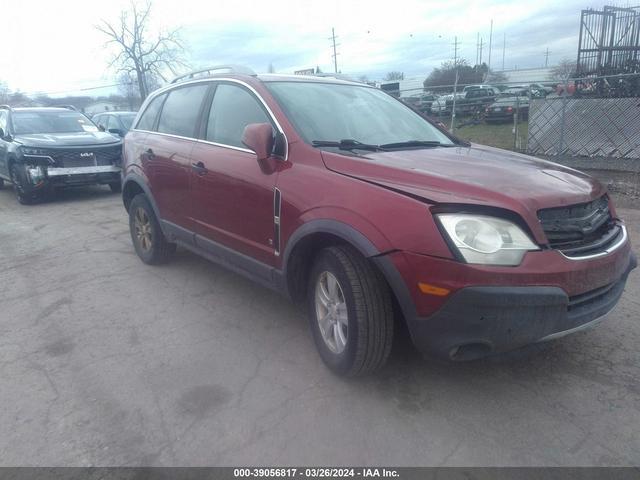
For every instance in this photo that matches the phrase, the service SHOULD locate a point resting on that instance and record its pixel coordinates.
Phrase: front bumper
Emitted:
(480, 321)
(76, 176)
(496, 309)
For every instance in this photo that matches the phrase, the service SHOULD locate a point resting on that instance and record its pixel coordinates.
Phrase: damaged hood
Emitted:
(471, 175)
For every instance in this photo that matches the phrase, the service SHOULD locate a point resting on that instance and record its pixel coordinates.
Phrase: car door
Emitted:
(4, 147)
(233, 197)
(167, 152)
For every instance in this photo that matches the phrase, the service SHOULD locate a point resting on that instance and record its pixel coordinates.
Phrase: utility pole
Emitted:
(490, 43)
(478, 50)
(504, 47)
(546, 57)
(481, 48)
(455, 85)
(335, 53)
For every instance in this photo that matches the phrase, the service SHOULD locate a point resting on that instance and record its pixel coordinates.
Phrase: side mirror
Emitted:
(116, 131)
(258, 137)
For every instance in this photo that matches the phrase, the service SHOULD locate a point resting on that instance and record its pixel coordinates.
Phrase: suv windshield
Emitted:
(25, 123)
(332, 112)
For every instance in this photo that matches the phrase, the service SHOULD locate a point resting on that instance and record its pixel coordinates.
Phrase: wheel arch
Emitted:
(134, 184)
(310, 238)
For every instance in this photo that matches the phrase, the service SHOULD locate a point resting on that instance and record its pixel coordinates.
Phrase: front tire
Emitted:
(148, 240)
(350, 312)
(17, 178)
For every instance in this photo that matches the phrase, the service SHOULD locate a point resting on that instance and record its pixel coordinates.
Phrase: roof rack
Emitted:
(205, 72)
(68, 107)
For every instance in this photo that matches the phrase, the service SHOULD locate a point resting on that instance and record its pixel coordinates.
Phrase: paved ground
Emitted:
(106, 361)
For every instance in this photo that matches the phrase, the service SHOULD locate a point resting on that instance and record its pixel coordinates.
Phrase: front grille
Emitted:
(89, 156)
(582, 229)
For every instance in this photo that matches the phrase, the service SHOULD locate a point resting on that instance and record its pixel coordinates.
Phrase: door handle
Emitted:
(199, 168)
(149, 153)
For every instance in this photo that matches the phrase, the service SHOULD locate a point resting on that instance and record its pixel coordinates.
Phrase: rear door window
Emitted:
(181, 110)
(232, 109)
(148, 119)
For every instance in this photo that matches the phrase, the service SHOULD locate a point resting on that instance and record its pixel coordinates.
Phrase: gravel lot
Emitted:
(107, 361)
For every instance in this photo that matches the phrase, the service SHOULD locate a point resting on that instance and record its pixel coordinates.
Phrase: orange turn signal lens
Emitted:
(433, 290)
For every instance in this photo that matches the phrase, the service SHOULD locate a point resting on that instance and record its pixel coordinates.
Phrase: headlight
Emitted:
(486, 240)
(34, 151)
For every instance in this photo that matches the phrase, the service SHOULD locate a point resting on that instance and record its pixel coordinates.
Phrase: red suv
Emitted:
(340, 196)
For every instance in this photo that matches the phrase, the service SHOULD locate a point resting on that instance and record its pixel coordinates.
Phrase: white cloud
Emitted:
(53, 46)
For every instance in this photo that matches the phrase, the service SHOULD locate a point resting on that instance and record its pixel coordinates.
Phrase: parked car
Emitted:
(503, 109)
(426, 101)
(344, 199)
(45, 148)
(117, 123)
(475, 100)
(444, 104)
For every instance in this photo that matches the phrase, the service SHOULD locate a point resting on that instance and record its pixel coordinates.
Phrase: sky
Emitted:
(54, 47)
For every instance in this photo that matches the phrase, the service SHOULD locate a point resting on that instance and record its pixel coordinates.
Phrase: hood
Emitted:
(477, 175)
(43, 140)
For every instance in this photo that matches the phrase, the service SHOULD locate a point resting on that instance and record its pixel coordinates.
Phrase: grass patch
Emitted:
(495, 135)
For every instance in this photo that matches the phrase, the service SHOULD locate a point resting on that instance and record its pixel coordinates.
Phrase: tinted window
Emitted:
(180, 111)
(148, 119)
(233, 108)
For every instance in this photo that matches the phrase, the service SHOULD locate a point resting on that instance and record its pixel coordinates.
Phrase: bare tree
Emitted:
(141, 53)
(394, 76)
(564, 70)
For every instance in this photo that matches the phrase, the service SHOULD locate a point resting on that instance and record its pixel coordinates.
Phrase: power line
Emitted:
(86, 89)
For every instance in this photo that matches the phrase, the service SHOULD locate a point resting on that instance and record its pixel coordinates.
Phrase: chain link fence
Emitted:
(588, 122)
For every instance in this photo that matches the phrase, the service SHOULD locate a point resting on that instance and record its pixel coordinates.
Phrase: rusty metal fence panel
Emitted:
(591, 127)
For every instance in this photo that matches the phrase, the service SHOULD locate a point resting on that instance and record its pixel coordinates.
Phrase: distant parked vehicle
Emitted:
(45, 148)
(476, 100)
(426, 101)
(504, 109)
(117, 123)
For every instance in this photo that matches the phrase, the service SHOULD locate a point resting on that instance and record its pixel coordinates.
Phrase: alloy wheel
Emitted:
(143, 229)
(331, 312)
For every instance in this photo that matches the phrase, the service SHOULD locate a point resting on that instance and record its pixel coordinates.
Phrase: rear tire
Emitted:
(148, 240)
(350, 312)
(116, 187)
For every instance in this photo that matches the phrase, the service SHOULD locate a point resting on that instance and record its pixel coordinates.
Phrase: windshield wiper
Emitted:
(415, 143)
(348, 144)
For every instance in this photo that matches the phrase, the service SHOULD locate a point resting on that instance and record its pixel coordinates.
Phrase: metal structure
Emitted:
(609, 41)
